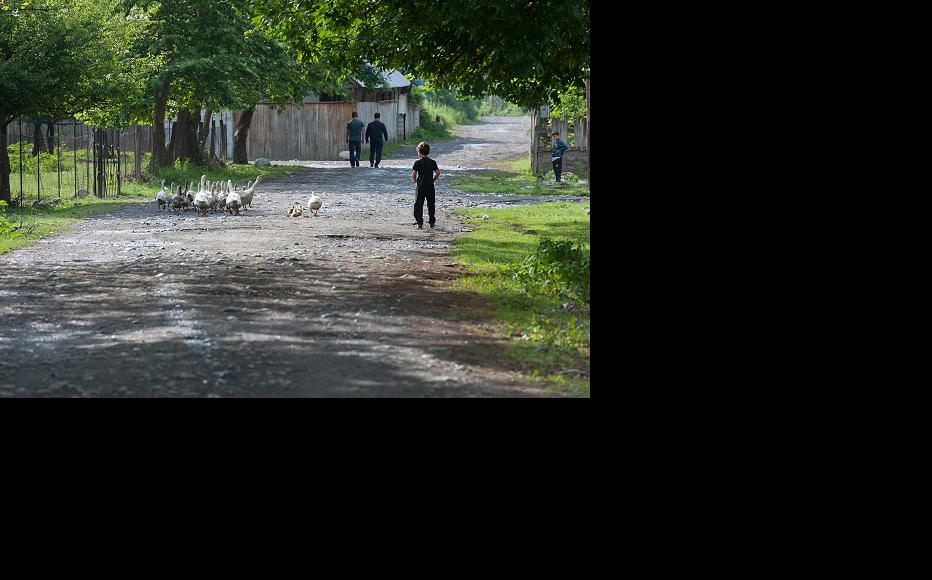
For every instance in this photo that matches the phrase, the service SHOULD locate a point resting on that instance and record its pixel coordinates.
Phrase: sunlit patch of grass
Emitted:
(238, 174)
(515, 176)
(28, 225)
(549, 337)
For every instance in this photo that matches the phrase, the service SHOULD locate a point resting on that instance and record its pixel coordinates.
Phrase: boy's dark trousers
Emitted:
(375, 151)
(558, 168)
(427, 193)
(355, 149)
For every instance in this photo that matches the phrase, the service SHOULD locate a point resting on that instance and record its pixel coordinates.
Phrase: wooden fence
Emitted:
(318, 131)
(580, 132)
(576, 159)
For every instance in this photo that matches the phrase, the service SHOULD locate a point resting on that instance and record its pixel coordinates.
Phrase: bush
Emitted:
(6, 225)
(494, 106)
(557, 268)
(47, 161)
(430, 130)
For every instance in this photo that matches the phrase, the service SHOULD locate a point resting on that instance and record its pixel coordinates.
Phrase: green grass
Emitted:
(428, 131)
(549, 344)
(237, 173)
(511, 110)
(449, 115)
(49, 184)
(515, 176)
(34, 224)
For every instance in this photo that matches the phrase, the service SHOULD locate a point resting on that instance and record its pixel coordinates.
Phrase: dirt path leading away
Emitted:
(353, 302)
(476, 146)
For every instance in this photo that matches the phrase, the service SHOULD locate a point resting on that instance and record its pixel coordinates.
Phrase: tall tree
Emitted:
(521, 50)
(209, 56)
(53, 61)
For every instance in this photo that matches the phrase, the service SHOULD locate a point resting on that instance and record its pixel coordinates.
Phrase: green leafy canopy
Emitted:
(525, 52)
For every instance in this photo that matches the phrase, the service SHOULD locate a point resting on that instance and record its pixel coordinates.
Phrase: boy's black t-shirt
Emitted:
(425, 167)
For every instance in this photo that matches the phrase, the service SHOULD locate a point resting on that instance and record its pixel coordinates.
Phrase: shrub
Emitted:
(557, 268)
(47, 161)
(430, 130)
(6, 225)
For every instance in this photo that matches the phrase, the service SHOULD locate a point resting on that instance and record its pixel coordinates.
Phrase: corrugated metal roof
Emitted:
(394, 79)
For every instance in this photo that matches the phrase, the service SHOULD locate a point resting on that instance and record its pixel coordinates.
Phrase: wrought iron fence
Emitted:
(69, 158)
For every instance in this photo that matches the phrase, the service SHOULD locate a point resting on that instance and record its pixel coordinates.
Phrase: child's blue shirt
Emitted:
(558, 148)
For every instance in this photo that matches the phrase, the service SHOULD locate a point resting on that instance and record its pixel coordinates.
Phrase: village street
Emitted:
(353, 302)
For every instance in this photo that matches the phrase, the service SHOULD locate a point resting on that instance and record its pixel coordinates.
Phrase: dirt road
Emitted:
(353, 302)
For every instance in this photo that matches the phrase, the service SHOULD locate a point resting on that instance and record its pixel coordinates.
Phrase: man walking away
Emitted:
(374, 133)
(354, 139)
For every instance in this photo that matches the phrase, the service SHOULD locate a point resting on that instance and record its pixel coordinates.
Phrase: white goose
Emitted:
(250, 191)
(202, 202)
(161, 198)
(234, 201)
(314, 203)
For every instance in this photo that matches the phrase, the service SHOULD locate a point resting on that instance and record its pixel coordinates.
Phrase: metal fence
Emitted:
(68, 157)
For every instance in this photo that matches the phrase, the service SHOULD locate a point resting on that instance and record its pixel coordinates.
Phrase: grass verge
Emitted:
(21, 227)
(548, 341)
(515, 176)
(239, 174)
(428, 131)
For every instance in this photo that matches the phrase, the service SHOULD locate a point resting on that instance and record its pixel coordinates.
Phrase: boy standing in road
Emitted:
(374, 132)
(354, 139)
(424, 173)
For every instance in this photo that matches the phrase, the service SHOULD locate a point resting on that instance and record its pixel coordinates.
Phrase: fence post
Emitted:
(104, 165)
(119, 164)
(137, 153)
(94, 160)
(58, 135)
(588, 132)
(22, 167)
(38, 174)
(534, 142)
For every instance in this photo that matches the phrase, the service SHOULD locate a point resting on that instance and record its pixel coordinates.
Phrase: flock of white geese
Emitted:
(220, 197)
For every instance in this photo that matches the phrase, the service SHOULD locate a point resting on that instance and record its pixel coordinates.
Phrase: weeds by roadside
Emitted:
(531, 264)
(515, 177)
(22, 227)
(429, 131)
(37, 219)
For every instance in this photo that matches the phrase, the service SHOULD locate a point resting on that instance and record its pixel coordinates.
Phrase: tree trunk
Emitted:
(50, 134)
(223, 139)
(38, 139)
(174, 146)
(205, 127)
(4, 165)
(159, 154)
(240, 135)
(184, 138)
(213, 140)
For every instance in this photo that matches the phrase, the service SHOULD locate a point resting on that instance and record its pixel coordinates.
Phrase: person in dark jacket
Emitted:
(354, 139)
(556, 154)
(374, 133)
(425, 172)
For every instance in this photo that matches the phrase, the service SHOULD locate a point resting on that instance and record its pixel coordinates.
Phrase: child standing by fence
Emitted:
(424, 173)
(556, 154)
